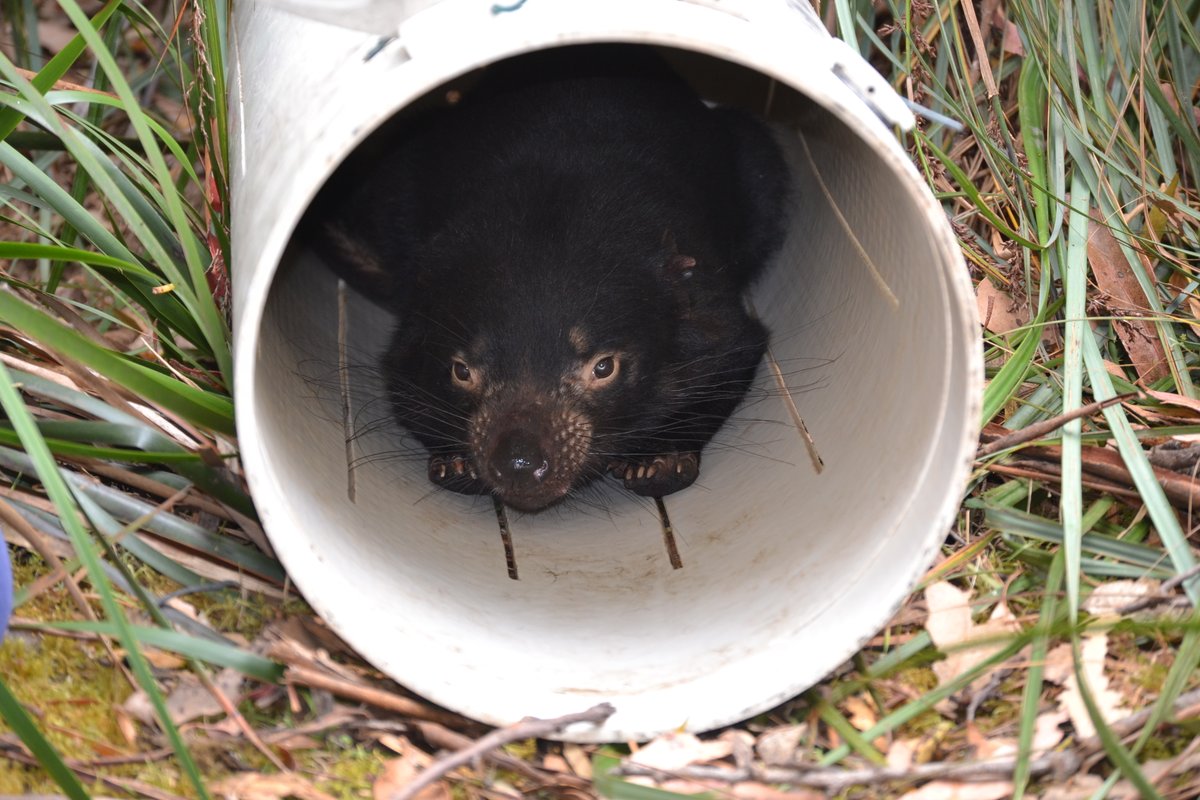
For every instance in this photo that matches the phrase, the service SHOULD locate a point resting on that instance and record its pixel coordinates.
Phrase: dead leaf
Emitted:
(1173, 399)
(749, 790)
(675, 750)
(902, 753)
(256, 786)
(777, 746)
(1046, 735)
(687, 786)
(1107, 599)
(950, 790)
(1114, 275)
(1078, 787)
(1092, 652)
(741, 746)
(997, 311)
(553, 762)
(1011, 41)
(861, 715)
(55, 33)
(399, 772)
(1059, 664)
(950, 627)
(580, 761)
(296, 741)
(126, 724)
(161, 659)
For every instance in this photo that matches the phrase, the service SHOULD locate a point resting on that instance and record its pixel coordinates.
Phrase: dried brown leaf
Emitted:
(1107, 599)
(1078, 787)
(580, 761)
(1011, 42)
(1059, 669)
(1114, 275)
(676, 750)
(951, 790)
(256, 786)
(778, 746)
(161, 659)
(950, 627)
(902, 754)
(749, 790)
(997, 311)
(399, 772)
(1174, 399)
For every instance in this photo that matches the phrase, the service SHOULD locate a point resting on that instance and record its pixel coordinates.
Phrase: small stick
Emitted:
(528, 728)
(443, 738)
(668, 535)
(379, 698)
(510, 555)
(1045, 427)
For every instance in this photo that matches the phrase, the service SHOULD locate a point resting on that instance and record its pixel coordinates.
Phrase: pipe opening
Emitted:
(810, 517)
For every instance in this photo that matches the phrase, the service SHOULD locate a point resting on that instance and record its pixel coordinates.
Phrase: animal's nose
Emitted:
(519, 456)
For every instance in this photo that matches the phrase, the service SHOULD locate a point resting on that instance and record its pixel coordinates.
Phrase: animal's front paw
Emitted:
(657, 476)
(456, 473)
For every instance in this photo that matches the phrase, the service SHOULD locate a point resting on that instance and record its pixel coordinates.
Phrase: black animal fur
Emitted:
(565, 252)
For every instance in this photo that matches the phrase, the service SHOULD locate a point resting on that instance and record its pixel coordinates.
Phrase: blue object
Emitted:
(5, 589)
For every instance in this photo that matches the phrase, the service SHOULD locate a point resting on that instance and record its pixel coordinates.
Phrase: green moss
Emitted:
(344, 769)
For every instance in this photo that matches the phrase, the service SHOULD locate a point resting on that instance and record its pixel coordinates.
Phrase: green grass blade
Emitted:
(195, 405)
(1032, 693)
(208, 651)
(1074, 277)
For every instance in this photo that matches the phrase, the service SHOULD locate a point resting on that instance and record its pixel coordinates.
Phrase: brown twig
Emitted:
(370, 695)
(528, 728)
(441, 736)
(1041, 429)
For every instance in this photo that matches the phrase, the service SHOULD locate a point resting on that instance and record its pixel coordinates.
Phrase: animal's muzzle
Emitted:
(531, 455)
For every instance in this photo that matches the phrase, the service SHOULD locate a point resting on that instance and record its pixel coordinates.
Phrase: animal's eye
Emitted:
(605, 368)
(461, 372)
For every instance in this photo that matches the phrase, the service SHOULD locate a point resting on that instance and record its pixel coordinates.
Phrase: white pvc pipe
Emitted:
(786, 572)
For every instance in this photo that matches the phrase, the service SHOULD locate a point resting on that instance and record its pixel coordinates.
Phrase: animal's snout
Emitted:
(530, 453)
(519, 457)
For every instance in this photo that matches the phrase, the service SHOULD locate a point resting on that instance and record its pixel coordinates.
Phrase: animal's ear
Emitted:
(355, 262)
(680, 267)
(677, 267)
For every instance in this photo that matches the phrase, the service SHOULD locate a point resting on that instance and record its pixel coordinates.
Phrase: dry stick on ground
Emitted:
(528, 728)
(1039, 429)
(307, 676)
(1059, 762)
(442, 737)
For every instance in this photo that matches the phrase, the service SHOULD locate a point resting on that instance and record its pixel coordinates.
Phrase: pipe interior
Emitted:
(782, 566)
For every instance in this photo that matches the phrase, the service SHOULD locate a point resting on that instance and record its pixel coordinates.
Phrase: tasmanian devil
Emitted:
(565, 252)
